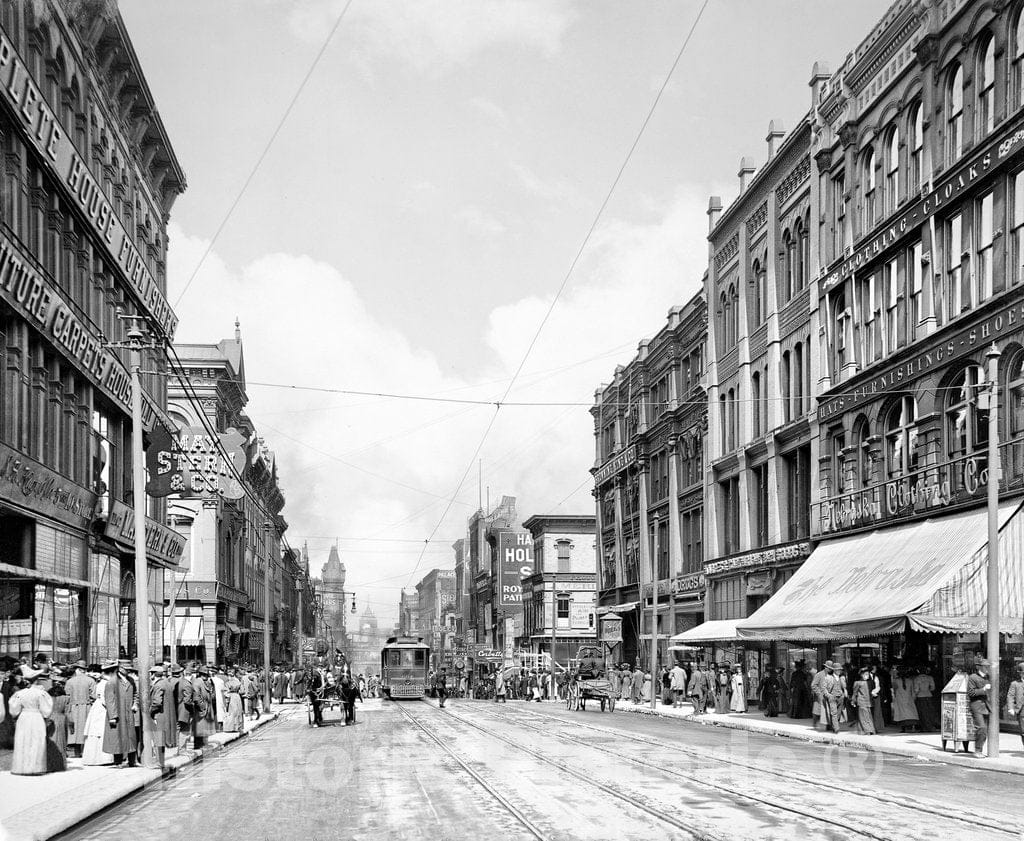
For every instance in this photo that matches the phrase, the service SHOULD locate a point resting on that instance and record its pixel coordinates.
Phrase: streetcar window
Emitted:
(394, 658)
(419, 658)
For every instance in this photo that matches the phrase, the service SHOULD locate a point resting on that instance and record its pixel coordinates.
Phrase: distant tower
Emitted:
(333, 589)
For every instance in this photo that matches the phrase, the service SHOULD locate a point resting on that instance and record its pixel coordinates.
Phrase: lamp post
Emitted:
(267, 526)
(150, 757)
(298, 621)
(992, 355)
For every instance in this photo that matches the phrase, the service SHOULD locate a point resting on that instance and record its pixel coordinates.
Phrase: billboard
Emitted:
(515, 562)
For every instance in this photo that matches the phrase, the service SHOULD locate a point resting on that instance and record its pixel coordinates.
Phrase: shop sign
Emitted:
(28, 484)
(45, 133)
(163, 544)
(29, 294)
(688, 584)
(258, 625)
(616, 464)
(753, 560)
(611, 628)
(664, 588)
(581, 615)
(487, 654)
(979, 334)
(193, 464)
(924, 490)
(515, 560)
(949, 190)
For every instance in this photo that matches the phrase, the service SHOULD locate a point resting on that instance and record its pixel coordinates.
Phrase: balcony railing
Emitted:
(929, 489)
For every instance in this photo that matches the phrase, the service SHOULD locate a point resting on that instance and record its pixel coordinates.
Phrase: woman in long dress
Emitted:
(95, 726)
(645, 690)
(31, 707)
(235, 713)
(57, 728)
(738, 701)
(904, 710)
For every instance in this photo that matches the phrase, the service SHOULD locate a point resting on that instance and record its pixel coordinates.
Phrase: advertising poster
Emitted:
(515, 560)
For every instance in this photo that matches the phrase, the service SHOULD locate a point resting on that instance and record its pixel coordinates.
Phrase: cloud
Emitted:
(419, 197)
(491, 111)
(366, 466)
(480, 222)
(436, 35)
(553, 190)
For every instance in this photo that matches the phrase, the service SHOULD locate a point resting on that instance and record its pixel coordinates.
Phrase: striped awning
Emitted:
(929, 575)
(714, 630)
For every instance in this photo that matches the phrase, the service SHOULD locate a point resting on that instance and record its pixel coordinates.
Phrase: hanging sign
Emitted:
(193, 464)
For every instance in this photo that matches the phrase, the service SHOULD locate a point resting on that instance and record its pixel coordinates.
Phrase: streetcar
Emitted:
(404, 664)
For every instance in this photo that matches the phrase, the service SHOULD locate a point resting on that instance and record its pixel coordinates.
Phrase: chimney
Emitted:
(673, 317)
(747, 170)
(643, 349)
(714, 212)
(820, 76)
(775, 134)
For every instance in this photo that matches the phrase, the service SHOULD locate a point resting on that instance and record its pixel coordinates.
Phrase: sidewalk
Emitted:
(926, 746)
(36, 808)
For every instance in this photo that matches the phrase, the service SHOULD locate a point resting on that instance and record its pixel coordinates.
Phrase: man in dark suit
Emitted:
(978, 687)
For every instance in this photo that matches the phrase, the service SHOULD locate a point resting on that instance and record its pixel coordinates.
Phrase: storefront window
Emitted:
(901, 438)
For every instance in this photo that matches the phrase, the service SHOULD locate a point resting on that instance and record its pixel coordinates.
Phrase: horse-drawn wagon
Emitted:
(587, 682)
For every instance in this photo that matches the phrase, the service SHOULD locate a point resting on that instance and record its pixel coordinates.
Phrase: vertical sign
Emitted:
(515, 559)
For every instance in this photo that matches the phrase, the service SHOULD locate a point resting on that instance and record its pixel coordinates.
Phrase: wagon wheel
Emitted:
(603, 700)
(611, 704)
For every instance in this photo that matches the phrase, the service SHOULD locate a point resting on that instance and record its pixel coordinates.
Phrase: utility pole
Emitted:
(654, 617)
(150, 757)
(267, 526)
(993, 548)
(298, 630)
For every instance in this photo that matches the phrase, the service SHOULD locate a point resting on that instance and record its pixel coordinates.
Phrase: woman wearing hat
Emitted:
(738, 701)
(57, 728)
(96, 723)
(1015, 699)
(863, 702)
(31, 707)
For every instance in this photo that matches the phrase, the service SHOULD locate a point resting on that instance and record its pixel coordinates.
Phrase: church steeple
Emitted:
(334, 569)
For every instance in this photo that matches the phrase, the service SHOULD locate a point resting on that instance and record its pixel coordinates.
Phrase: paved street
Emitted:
(476, 769)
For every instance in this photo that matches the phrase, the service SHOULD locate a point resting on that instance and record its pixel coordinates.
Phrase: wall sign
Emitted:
(515, 560)
(30, 485)
(753, 560)
(616, 464)
(163, 544)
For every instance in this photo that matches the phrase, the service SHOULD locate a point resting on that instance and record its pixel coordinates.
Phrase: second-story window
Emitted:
(755, 402)
(788, 264)
(916, 175)
(985, 118)
(954, 113)
(982, 286)
(839, 215)
(891, 285)
(954, 266)
(892, 171)
(758, 278)
(1015, 261)
(901, 438)
(915, 288)
(867, 190)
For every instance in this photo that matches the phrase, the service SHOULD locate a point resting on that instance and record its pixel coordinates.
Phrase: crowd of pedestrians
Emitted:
(91, 711)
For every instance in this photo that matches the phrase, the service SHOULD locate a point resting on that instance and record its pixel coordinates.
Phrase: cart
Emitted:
(329, 699)
(586, 684)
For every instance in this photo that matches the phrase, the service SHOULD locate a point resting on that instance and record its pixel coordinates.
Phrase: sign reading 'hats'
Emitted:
(196, 464)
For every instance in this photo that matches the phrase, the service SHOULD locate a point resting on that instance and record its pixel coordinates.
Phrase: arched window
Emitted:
(901, 438)
(785, 382)
(723, 307)
(892, 170)
(867, 185)
(1017, 57)
(798, 380)
(723, 423)
(731, 405)
(804, 250)
(734, 297)
(955, 113)
(755, 402)
(966, 420)
(916, 144)
(757, 275)
(985, 118)
(788, 259)
(862, 447)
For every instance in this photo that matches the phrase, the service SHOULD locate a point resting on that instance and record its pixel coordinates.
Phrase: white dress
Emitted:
(92, 753)
(738, 702)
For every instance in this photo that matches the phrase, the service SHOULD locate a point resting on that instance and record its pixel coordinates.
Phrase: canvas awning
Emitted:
(930, 574)
(625, 607)
(188, 629)
(714, 630)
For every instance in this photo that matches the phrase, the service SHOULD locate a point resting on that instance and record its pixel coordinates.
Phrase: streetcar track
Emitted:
(531, 827)
(875, 796)
(706, 834)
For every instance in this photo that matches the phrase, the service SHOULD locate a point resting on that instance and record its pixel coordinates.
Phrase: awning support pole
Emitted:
(993, 549)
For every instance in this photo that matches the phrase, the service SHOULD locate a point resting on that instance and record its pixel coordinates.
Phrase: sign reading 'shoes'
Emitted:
(193, 464)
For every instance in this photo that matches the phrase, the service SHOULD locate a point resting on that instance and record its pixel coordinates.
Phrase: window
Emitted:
(985, 118)
(915, 285)
(802, 256)
(788, 261)
(732, 417)
(1017, 56)
(839, 215)
(608, 439)
(798, 478)
(785, 381)
(692, 528)
(839, 462)
(1015, 420)
(563, 608)
(953, 291)
(760, 476)
(892, 171)
(966, 420)
(724, 305)
(843, 329)
(955, 113)
(798, 380)
(729, 598)
(564, 551)
(869, 309)
(862, 451)
(734, 311)
(755, 401)
(661, 549)
(982, 286)
(723, 422)
(1015, 269)
(730, 490)
(901, 438)
(891, 284)
(758, 278)
(867, 182)
(916, 176)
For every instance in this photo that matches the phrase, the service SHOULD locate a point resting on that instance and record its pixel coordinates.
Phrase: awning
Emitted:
(714, 630)
(625, 607)
(930, 573)
(188, 629)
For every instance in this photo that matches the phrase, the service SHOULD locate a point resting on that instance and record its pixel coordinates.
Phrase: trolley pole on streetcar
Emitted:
(993, 549)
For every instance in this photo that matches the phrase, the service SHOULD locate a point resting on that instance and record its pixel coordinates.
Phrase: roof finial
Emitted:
(238, 330)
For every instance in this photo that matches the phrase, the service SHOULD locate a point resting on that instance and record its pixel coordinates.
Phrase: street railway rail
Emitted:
(851, 824)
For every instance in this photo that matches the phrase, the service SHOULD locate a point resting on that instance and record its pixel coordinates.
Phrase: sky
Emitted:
(420, 208)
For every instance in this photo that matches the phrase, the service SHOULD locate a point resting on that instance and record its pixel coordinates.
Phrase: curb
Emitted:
(112, 792)
(861, 743)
